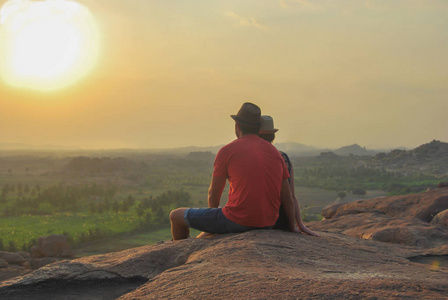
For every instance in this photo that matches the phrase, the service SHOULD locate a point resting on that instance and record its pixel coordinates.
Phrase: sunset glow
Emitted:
(46, 45)
(168, 74)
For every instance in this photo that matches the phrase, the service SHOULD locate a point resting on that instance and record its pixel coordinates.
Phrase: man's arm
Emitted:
(288, 205)
(215, 191)
(214, 196)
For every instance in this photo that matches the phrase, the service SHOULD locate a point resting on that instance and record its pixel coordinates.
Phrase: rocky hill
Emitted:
(269, 264)
(431, 157)
(354, 150)
(297, 149)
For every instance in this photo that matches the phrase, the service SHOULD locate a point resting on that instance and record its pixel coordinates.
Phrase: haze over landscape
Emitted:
(112, 112)
(169, 74)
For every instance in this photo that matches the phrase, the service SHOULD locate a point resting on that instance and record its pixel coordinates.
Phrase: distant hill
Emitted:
(99, 165)
(298, 149)
(201, 155)
(304, 150)
(354, 149)
(431, 157)
(191, 149)
(21, 146)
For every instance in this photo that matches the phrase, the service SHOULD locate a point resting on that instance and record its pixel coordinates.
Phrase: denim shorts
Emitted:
(212, 220)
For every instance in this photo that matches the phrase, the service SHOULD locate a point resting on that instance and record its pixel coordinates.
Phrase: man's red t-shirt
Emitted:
(255, 170)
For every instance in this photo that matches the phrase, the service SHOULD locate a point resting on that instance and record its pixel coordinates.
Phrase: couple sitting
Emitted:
(260, 185)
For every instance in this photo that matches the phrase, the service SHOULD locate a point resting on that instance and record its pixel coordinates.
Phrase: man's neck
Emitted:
(248, 134)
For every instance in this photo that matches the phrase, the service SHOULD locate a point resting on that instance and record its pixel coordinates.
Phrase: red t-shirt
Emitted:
(255, 170)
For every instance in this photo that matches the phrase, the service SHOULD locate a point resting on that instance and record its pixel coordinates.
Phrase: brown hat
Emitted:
(267, 125)
(249, 115)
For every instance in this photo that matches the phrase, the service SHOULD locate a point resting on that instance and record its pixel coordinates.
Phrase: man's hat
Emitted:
(249, 115)
(267, 125)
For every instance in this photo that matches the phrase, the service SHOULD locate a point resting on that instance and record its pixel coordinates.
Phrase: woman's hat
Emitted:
(267, 125)
(249, 115)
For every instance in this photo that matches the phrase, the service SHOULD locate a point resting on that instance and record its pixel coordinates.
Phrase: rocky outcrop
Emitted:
(431, 157)
(371, 249)
(259, 264)
(13, 264)
(442, 184)
(12, 258)
(3, 263)
(441, 218)
(50, 249)
(423, 206)
(413, 220)
(52, 246)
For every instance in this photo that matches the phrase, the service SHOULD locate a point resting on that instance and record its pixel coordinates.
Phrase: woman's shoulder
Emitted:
(284, 155)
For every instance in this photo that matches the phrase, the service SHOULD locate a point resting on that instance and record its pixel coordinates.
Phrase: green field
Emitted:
(126, 241)
(80, 226)
(123, 198)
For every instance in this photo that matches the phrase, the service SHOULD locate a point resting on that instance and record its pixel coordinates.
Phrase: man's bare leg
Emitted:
(179, 229)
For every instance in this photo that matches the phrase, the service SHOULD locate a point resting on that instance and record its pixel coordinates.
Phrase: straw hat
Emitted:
(249, 115)
(267, 125)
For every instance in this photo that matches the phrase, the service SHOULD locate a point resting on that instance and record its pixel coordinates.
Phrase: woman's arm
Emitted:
(298, 217)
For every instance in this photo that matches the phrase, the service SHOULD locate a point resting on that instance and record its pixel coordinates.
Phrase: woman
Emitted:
(267, 132)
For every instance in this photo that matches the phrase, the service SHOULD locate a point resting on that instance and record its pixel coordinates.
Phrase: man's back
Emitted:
(255, 170)
(258, 184)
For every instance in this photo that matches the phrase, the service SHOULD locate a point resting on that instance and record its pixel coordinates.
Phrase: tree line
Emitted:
(358, 179)
(151, 213)
(57, 198)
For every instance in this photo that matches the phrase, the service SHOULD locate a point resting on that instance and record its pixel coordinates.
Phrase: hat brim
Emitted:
(239, 121)
(268, 131)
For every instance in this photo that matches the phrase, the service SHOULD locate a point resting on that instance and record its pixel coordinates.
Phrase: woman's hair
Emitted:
(267, 137)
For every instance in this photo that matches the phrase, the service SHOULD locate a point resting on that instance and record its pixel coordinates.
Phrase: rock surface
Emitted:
(406, 220)
(423, 206)
(441, 218)
(259, 264)
(12, 258)
(3, 263)
(372, 249)
(37, 263)
(18, 263)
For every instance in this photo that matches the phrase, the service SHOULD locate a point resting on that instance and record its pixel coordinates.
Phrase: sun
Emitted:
(46, 45)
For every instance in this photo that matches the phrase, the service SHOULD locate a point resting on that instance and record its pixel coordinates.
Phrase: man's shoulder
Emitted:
(237, 143)
(226, 149)
(249, 143)
(229, 145)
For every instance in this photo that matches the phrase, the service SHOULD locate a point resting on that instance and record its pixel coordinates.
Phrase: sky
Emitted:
(170, 73)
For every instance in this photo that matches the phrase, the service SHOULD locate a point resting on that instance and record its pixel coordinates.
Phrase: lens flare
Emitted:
(435, 265)
(46, 45)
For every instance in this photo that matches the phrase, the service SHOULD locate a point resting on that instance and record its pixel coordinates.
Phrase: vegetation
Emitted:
(350, 174)
(94, 196)
(84, 223)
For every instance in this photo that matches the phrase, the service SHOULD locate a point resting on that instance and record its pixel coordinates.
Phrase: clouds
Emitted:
(303, 4)
(242, 21)
(331, 72)
(323, 5)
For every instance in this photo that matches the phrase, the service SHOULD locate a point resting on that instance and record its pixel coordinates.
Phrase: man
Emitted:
(258, 181)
